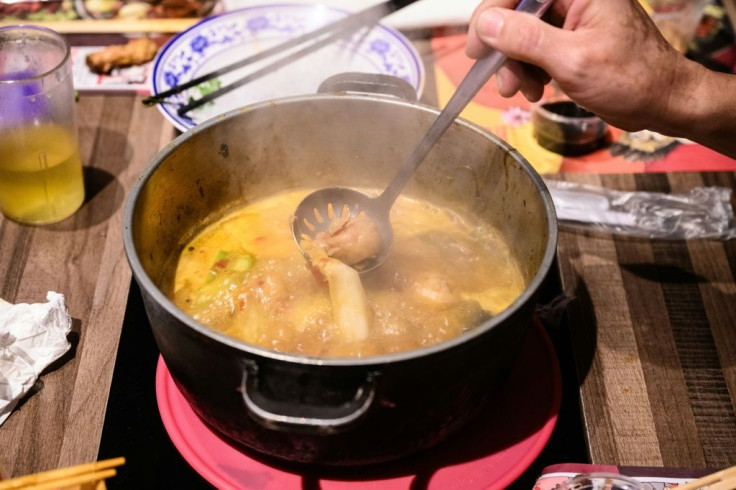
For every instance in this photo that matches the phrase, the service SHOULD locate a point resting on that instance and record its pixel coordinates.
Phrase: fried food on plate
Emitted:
(135, 52)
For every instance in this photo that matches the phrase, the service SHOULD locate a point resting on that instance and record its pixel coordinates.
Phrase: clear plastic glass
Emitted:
(41, 178)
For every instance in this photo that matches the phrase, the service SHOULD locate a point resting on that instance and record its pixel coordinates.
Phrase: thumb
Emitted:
(520, 36)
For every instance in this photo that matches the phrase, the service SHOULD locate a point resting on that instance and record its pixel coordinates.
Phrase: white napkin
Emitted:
(432, 13)
(422, 14)
(32, 336)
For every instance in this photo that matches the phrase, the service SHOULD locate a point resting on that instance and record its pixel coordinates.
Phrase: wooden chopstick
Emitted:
(720, 480)
(81, 479)
(113, 26)
(73, 475)
(331, 32)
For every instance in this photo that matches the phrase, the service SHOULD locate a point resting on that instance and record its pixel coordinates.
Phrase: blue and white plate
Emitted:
(229, 37)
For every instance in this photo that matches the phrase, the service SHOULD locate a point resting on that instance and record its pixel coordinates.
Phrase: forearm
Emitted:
(702, 108)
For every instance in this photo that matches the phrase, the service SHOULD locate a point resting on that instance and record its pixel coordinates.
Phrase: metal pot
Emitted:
(332, 411)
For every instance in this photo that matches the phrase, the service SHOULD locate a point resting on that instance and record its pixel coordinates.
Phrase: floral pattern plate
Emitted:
(226, 38)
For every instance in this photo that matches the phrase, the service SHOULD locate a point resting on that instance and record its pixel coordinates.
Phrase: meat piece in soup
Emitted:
(351, 239)
(244, 276)
(351, 312)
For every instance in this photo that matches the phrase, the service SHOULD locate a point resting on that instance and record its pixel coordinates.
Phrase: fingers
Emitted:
(507, 81)
(520, 36)
(515, 76)
(475, 48)
(533, 82)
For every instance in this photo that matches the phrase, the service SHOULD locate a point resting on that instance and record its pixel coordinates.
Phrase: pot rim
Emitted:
(146, 283)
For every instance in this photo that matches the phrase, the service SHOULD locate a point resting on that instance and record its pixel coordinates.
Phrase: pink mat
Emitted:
(490, 453)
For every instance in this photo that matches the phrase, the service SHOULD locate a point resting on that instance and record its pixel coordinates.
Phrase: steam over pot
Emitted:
(332, 411)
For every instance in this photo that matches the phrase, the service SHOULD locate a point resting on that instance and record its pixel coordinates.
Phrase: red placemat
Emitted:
(644, 151)
(490, 453)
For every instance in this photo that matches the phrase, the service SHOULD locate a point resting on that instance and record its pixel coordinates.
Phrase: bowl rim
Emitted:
(149, 287)
(544, 112)
(184, 123)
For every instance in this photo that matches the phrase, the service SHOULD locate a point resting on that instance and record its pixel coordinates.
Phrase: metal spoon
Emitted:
(316, 211)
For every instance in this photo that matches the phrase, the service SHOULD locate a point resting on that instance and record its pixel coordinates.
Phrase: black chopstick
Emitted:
(338, 28)
(193, 104)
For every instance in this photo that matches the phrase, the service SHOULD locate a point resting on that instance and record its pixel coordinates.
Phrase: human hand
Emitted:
(606, 55)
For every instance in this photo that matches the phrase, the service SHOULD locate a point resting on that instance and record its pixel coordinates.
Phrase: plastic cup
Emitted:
(40, 168)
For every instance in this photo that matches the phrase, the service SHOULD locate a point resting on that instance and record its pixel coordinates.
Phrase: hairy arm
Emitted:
(609, 57)
(702, 108)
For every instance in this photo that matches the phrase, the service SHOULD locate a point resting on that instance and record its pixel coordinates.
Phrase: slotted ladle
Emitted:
(316, 211)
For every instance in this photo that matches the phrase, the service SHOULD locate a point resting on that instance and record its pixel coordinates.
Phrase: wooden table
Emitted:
(83, 259)
(653, 323)
(653, 328)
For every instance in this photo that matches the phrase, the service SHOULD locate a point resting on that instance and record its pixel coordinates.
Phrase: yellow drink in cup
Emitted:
(40, 174)
(41, 178)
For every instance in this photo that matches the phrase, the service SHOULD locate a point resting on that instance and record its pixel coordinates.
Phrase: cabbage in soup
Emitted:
(244, 276)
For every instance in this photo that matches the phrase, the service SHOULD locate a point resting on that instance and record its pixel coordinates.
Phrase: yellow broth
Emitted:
(244, 276)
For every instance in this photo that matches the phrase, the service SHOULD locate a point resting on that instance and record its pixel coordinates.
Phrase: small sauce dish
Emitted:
(564, 127)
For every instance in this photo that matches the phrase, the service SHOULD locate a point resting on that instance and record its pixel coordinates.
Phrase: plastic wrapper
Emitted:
(703, 212)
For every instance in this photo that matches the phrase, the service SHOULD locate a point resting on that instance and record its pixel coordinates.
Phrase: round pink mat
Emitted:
(489, 453)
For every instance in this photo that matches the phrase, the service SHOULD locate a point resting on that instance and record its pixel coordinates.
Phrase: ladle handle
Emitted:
(477, 76)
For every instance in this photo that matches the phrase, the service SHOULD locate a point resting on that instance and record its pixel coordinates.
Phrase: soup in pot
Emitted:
(244, 276)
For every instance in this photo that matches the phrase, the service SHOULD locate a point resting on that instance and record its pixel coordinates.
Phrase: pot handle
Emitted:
(369, 83)
(300, 416)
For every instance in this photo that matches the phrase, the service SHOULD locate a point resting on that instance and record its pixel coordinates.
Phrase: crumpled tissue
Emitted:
(32, 336)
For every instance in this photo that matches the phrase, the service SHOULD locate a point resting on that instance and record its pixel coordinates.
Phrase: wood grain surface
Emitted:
(60, 422)
(82, 258)
(653, 322)
(653, 327)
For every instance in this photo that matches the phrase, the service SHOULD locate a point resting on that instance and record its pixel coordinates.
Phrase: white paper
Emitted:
(32, 336)
(130, 79)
